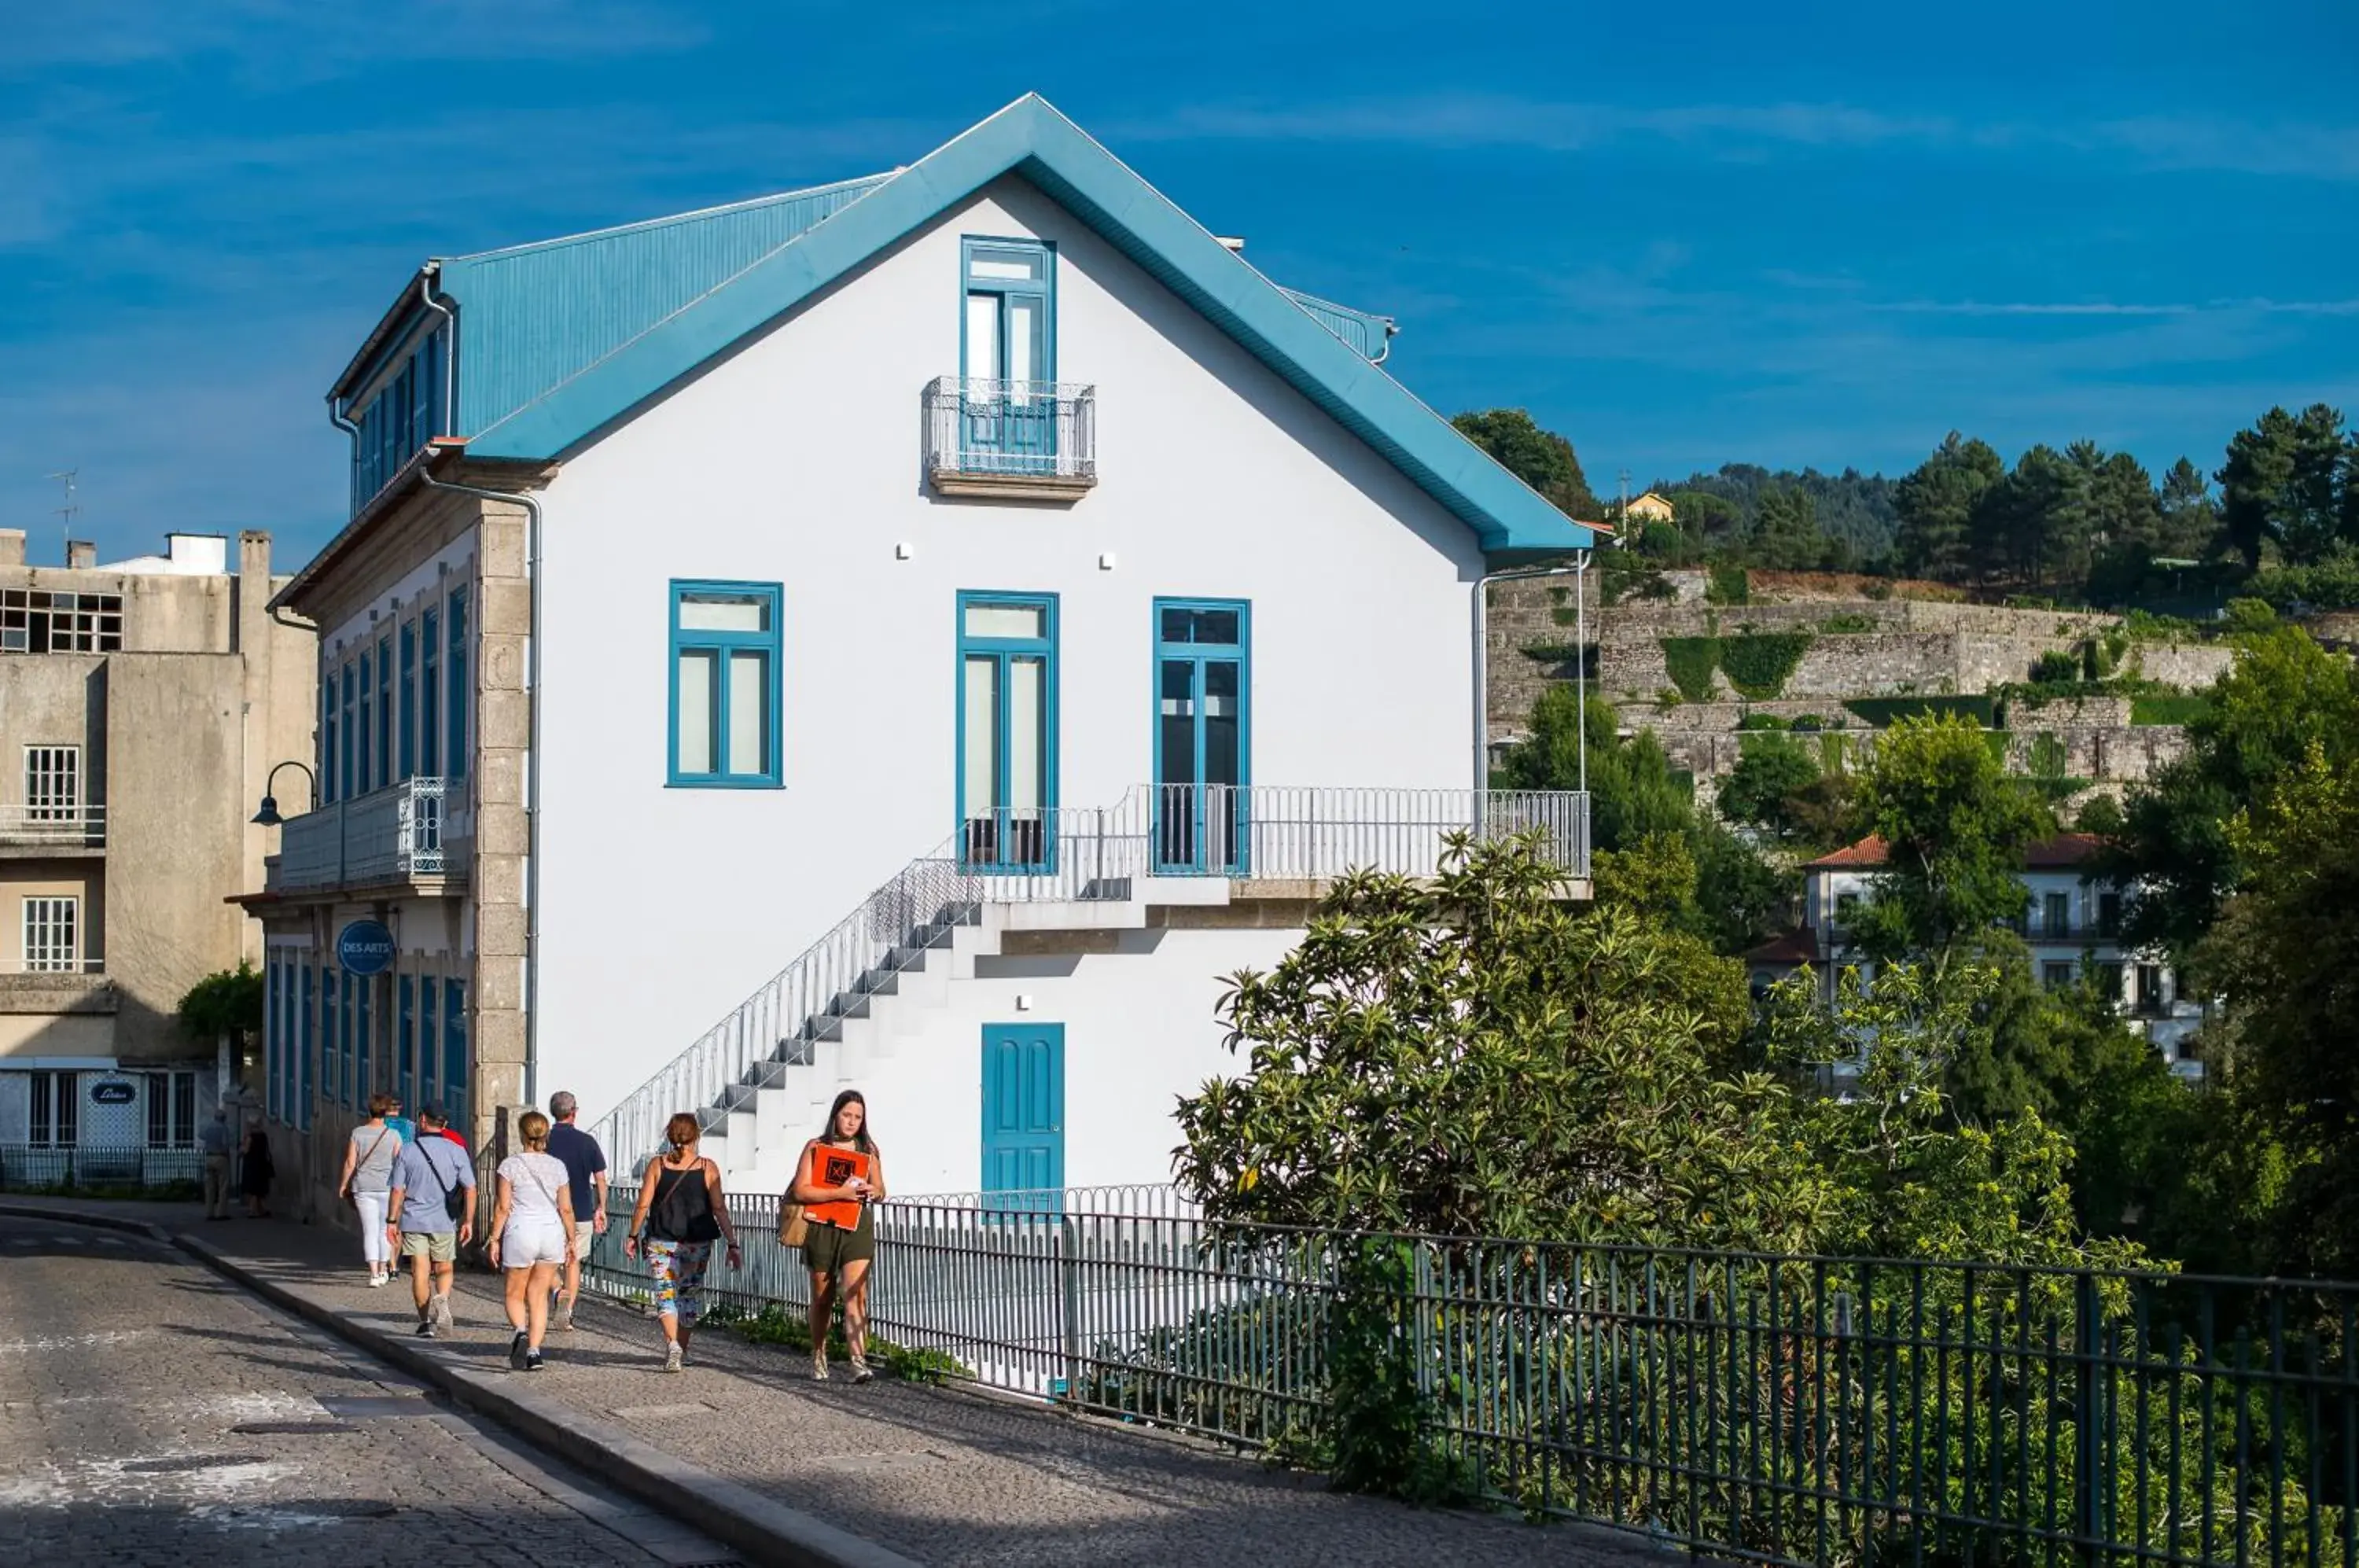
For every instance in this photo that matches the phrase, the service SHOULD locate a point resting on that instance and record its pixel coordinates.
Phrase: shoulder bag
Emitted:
(351, 1196)
(794, 1226)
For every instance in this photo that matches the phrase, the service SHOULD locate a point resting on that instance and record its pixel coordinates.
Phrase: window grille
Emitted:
(52, 934)
(37, 620)
(52, 783)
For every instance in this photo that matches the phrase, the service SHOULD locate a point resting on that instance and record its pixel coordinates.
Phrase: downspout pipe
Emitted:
(531, 504)
(1482, 659)
(450, 329)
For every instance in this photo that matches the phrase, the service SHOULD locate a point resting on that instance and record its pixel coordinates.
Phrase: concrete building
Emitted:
(142, 704)
(2072, 924)
(937, 625)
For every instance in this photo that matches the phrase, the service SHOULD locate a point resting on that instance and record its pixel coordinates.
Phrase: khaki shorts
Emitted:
(827, 1249)
(435, 1246)
(584, 1233)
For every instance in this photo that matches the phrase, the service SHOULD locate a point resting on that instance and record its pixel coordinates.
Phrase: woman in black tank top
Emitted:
(681, 1213)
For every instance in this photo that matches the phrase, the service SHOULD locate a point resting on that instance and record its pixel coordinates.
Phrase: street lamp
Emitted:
(268, 816)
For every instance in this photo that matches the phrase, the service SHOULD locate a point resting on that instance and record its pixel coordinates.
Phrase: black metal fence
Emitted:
(28, 1168)
(1783, 1408)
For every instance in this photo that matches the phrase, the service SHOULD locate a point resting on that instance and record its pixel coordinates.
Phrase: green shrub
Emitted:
(2054, 668)
(2144, 625)
(1880, 711)
(1808, 722)
(1834, 753)
(1848, 624)
(1669, 697)
(1565, 616)
(1757, 663)
(774, 1325)
(1728, 585)
(1690, 662)
(2168, 710)
(1552, 652)
(1765, 721)
(2047, 756)
(1878, 590)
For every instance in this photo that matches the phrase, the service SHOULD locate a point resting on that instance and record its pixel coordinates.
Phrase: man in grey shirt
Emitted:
(217, 1141)
(427, 1175)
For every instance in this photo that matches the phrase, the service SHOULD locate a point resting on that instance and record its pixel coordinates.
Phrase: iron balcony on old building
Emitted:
(1022, 440)
(416, 831)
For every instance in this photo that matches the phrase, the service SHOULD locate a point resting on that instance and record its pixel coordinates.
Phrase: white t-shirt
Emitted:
(537, 1184)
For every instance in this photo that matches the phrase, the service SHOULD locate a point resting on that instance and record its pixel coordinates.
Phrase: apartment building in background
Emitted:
(2073, 923)
(937, 625)
(142, 705)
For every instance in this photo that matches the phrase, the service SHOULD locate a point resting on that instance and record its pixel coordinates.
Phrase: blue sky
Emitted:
(1683, 235)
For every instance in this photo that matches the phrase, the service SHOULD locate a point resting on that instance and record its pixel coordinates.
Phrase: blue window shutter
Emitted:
(457, 703)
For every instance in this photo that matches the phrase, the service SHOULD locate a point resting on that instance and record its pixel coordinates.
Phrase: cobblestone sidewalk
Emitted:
(942, 1475)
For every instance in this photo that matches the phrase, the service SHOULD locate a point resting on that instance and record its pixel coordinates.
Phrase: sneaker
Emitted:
(379, 1281)
(425, 1328)
(563, 1322)
(532, 1361)
(518, 1348)
(860, 1372)
(673, 1358)
(818, 1366)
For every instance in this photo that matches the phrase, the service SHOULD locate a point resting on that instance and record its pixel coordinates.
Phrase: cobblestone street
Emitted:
(151, 1412)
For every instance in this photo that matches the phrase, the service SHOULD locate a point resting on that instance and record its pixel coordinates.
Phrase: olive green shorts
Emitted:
(826, 1249)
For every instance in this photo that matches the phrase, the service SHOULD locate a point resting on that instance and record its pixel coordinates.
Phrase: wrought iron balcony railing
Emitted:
(415, 828)
(1025, 439)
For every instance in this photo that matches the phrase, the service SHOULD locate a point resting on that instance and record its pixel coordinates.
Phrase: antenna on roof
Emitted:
(71, 508)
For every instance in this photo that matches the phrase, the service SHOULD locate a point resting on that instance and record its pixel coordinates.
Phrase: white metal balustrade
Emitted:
(419, 827)
(1012, 431)
(1073, 855)
(61, 824)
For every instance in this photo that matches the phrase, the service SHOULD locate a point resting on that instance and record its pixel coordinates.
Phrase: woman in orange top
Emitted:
(840, 1176)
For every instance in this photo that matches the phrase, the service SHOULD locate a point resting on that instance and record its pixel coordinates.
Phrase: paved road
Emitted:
(150, 1412)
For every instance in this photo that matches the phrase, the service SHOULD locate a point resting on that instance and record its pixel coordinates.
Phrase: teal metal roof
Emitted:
(561, 341)
(533, 316)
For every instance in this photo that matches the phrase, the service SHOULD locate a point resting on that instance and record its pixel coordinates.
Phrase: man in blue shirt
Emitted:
(586, 1166)
(427, 1175)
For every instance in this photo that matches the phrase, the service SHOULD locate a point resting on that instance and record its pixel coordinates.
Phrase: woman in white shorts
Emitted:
(531, 1240)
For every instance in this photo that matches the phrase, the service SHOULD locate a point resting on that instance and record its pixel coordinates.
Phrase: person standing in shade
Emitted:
(403, 1127)
(431, 1217)
(681, 1213)
(532, 1237)
(255, 1169)
(840, 1176)
(585, 1169)
(369, 1155)
(216, 1142)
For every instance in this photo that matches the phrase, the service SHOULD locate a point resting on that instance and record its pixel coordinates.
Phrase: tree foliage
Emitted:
(1541, 458)
(1767, 786)
(229, 1001)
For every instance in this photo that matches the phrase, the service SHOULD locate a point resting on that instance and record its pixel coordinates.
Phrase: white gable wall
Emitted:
(799, 461)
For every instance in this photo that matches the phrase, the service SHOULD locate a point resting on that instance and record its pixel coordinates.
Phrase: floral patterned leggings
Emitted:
(679, 1268)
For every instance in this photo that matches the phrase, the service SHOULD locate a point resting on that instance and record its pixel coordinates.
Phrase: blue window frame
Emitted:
(346, 787)
(307, 1024)
(429, 695)
(398, 419)
(725, 684)
(364, 1040)
(364, 780)
(429, 1051)
(334, 1035)
(1204, 702)
(456, 705)
(1006, 735)
(409, 698)
(1007, 354)
(327, 738)
(455, 1082)
(405, 1044)
(385, 774)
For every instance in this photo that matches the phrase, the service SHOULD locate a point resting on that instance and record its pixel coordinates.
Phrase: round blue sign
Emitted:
(364, 947)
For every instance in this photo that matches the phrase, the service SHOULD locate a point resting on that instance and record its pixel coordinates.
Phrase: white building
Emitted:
(965, 611)
(2071, 922)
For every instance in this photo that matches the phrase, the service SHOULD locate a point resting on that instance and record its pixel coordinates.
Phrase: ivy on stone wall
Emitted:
(1691, 661)
(1757, 663)
(1880, 711)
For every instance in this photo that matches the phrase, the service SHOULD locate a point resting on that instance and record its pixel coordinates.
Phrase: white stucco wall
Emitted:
(798, 460)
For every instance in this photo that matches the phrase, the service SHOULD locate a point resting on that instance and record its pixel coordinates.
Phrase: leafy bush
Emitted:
(2168, 710)
(2048, 756)
(1848, 624)
(1728, 585)
(776, 1324)
(1882, 712)
(1808, 722)
(1762, 721)
(1552, 652)
(2055, 668)
(1690, 662)
(1757, 663)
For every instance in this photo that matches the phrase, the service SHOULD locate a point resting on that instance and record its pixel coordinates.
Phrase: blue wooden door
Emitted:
(1022, 1108)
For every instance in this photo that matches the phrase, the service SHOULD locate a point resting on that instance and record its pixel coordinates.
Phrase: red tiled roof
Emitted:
(2048, 853)
(1799, 946)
